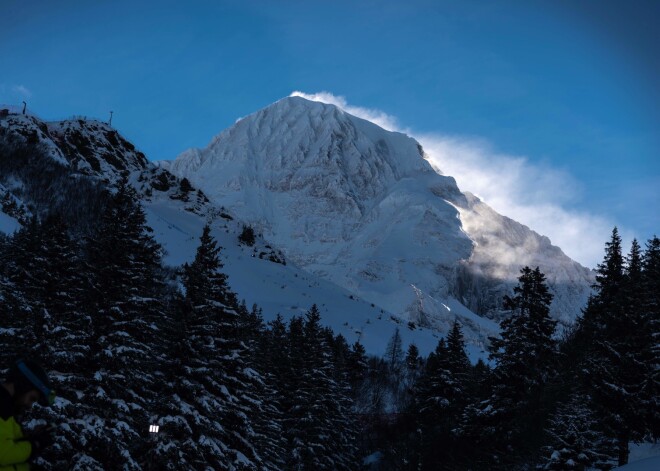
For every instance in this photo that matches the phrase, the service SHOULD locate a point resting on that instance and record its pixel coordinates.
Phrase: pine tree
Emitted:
(125, 267)
(618, 341)
(650, 308)
(265, 414)
(211, 405)
(356, 365)
(320, 427)
(413, 370)
(525, 357)
(66, 326)
(412, 358)
(394, 352)
(17, 298)
(457, 359)
(576, 442)
(432, 397)
(440, 399)
(25, 268)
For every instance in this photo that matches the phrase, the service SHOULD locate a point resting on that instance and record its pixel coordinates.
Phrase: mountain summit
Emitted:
(362, 207)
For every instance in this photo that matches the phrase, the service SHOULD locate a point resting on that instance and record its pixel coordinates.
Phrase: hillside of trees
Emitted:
(130, 343)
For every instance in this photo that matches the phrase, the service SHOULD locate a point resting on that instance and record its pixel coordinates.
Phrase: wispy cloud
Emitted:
(22, 91)
(537, 195)
(378, 117)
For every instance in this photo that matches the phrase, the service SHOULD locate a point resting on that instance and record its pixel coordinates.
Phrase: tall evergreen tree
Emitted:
(440, 399)
(321, 428)
(394, 356)
(356, 364)
(394, 352)
(265, 413)
(413, 371)
(17, 298)
(66, 328)
(576, 442)
(457, 359)
(618, 341)
(210, 407)
(650, 308)
(124, 263)
(525, 356)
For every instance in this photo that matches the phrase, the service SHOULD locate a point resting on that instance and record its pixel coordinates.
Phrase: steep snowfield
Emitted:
(361, 207)
(288, 290)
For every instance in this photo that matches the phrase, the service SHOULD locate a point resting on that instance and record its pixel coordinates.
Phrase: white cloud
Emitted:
(537, 195)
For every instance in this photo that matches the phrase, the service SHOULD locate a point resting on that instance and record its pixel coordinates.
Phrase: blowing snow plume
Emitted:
(539, 196)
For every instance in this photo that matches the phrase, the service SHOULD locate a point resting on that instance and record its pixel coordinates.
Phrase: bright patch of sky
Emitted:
(549, 109)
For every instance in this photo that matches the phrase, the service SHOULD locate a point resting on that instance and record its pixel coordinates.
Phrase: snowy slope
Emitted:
(93, 150)
(361, 207)
(647, 464)
(29, 128)
(288, 290)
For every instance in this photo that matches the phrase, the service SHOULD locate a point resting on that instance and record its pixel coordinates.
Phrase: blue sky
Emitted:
(563, 95)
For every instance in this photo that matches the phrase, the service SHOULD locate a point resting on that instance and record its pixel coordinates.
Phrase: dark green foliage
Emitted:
(394, 352)
(356, 365)
(247, 236)
(212, 358)
(575, 439)
(413, 364)
(161, 182)
(506, 424)
(127, 283)
(618, 339)
(650, 312)
(185, 186)
(320, 431)
(440, 398)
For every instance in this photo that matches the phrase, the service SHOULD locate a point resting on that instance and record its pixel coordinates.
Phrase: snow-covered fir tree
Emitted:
(321, 429)
(651, 312)
(617, 335)
(576, 442)
(211, 403)
(507, 423)
(440, 397)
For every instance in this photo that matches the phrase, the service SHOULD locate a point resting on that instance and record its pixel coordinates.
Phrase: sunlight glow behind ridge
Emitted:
(538, 196)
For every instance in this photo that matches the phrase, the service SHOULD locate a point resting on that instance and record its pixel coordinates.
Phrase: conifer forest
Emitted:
(130, 342)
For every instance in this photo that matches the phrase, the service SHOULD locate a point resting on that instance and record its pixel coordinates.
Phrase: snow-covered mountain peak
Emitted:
(363, 208)
(278, 134)
(297, 159)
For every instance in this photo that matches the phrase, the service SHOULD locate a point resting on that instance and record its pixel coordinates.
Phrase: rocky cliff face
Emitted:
(362, 207)
(60, 156)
